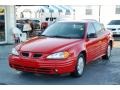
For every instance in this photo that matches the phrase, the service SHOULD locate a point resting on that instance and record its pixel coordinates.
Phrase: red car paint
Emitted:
(94, 48)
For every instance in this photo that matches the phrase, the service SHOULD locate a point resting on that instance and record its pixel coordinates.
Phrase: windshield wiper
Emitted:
(56, 36)
(42, 35)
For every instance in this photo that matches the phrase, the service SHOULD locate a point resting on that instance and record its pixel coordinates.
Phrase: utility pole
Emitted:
(74, 14)
(99, 12)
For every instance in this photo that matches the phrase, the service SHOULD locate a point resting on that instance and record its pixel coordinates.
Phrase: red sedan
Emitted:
(64, 47)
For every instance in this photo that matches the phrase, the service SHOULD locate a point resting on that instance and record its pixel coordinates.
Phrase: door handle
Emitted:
(99, 42)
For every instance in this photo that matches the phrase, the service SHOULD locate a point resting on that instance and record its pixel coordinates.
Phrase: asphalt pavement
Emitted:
(100, 72)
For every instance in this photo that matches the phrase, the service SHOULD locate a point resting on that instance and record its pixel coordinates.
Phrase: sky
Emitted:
(59, 2)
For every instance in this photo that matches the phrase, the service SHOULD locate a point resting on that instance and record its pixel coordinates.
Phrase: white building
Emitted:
(7, 22)
(43, 11)
(99, 12)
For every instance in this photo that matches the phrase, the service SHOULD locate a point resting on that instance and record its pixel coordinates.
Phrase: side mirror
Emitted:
(92, 35)
(39, 34)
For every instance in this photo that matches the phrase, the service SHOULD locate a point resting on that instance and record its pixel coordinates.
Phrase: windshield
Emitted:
(114, 22)
(35, 21)
(65, 30)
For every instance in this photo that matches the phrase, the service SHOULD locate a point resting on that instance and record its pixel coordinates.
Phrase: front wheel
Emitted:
(108, 53)
(79, 68)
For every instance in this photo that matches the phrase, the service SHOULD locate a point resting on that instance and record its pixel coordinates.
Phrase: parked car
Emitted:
(18, 35)
(44, 25)
(64, 47)
(35, 22)
(114, 26)
(20, 26)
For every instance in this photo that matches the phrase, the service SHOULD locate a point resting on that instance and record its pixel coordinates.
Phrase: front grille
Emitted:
(31, 54)
(25, 54)
(37, 55)
(31, 69)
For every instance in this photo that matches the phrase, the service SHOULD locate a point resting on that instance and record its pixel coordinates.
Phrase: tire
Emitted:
(108, 53)
(79, 68)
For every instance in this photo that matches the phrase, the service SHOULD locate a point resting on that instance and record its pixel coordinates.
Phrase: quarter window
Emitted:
(97, 26)
(91, 29)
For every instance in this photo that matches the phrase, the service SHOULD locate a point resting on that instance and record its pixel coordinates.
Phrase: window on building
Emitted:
(51, 18)
(88, 10)
(117, 11)
(47, 18)
(67, 12)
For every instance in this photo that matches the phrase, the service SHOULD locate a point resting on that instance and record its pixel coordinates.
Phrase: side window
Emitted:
(91, 29)
(97, 26)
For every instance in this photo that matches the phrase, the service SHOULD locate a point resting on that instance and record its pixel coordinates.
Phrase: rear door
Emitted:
(92, 44)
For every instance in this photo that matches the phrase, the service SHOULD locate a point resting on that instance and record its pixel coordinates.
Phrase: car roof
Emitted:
(82, 20)
(114, 19)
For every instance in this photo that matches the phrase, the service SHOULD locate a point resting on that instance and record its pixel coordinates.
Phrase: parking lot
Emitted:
(98, 72)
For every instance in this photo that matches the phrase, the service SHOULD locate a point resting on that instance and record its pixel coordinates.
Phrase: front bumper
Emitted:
(42, 66)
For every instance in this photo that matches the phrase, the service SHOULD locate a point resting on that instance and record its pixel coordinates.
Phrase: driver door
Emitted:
(92, 43)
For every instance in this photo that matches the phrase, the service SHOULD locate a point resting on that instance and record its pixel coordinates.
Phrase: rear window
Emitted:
(114, 22)
(20, 21)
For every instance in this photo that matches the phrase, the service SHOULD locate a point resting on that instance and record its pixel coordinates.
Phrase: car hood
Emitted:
(47, 45)
(113, 26)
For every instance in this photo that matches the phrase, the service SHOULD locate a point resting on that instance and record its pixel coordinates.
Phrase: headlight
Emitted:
(15, 52)
(59, 55)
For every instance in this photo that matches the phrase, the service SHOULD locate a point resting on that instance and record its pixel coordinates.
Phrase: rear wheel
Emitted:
(79, 68)
(108, 53)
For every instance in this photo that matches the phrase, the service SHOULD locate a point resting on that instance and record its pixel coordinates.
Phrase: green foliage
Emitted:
(1, 10)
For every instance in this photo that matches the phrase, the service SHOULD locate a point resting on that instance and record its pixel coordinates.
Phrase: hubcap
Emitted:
(80, 65)
(109, 51)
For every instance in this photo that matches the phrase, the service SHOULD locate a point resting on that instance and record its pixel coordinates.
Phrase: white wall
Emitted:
(80, 12)
(10, 22)
(107, 13)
